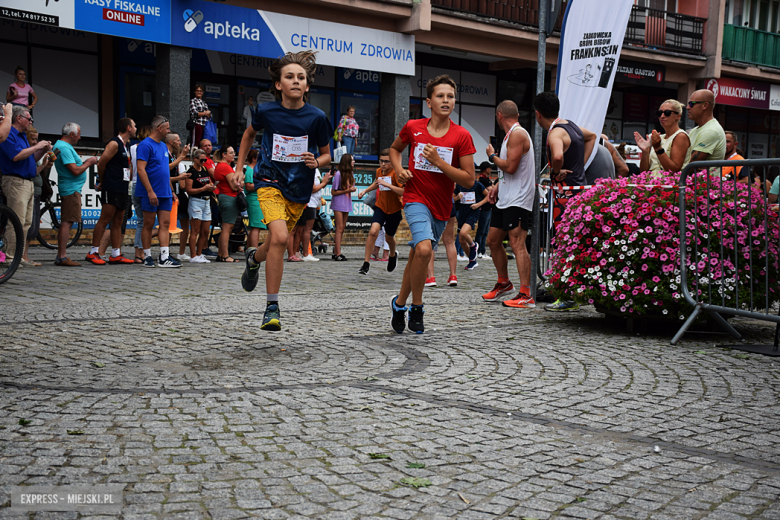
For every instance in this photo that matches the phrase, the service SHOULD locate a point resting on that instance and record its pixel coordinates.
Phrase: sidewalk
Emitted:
(496, 412)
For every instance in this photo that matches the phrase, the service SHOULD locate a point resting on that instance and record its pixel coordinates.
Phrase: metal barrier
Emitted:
(715, 209)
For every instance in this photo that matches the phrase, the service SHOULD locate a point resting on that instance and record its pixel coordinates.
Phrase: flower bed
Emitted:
(618, 248)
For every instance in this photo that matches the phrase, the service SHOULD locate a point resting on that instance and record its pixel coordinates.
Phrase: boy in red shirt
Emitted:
(441, 154)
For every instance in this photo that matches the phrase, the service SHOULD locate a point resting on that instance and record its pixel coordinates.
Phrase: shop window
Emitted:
(136, 96)
(367, 117)
(481, 123)
(67, 86)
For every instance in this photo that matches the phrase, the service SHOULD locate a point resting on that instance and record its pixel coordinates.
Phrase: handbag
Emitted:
(241, 202)
(210, 132)
(190, 126)
(370, 199)
(338, 152)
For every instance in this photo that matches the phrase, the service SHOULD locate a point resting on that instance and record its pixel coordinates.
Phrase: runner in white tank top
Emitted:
(517, 189)
(512, 216)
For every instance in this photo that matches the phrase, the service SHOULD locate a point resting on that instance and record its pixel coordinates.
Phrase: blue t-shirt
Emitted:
(10, 148)
(293, 179)
(67, 183)
(478, 189)
(157, 168)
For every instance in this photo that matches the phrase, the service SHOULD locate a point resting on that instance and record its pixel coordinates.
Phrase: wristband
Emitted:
(491, 156)
(660, 152)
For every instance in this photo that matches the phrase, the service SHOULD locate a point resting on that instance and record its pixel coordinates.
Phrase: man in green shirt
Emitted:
(708, 141)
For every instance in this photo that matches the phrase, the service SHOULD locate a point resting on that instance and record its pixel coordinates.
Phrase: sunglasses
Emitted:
(666, 113)
(162, 123)
(692, 104)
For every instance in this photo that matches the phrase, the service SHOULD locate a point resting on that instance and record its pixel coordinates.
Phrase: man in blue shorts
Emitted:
(154, 189)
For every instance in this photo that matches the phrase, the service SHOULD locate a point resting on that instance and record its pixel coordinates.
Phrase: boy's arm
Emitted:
(396, 149)
(246, 144)
(374, 185)
(463, 175)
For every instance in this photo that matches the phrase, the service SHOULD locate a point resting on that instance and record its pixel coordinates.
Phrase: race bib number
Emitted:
(469, 197)
(127, 174)
(421, 163)
(388, 180)
(289, 149)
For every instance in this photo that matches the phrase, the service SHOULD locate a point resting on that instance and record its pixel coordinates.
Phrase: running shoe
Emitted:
(364, 268)
(118, 260)
(310, 258)
(95, 259)
(398, 320)
(487, 256)
(251, 272)
(168, 262)
(209, 254)
(199, 259)
(498, 290)
(416, 319)
(430, 282)
(521, 301)
(271, 318)
(472, 265)
(463, 258)
(452, 281)
(562, 306)
(473, 252)
(392, 262)
(148, 262)
(184, 257)
(479, 256)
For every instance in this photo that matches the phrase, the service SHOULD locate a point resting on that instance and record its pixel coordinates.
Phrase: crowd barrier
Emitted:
(739, 289)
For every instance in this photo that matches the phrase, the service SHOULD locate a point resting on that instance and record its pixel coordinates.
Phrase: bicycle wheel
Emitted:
(48, 209)
(8, 220)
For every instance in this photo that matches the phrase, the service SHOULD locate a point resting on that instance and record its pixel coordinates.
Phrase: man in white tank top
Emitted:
(513, 196)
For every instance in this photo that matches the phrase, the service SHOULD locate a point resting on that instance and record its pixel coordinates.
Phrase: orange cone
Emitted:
(309, 248)
(174, 218)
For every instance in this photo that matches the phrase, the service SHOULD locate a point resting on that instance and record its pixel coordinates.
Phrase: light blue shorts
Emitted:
(200, 209)
(422, 224)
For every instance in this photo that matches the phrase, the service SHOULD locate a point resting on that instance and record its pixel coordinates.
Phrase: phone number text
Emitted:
(16, 14)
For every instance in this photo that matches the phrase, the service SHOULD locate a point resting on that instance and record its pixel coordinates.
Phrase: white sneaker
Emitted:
(479, 255)
(310, 258)
(486, 257)
(184, 257)
(200, 259)
(463, 258)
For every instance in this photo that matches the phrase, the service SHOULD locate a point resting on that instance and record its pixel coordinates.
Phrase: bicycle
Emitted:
(7, 269)
(48, 208)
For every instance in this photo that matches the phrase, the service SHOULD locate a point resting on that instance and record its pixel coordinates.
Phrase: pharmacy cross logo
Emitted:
(191, 20)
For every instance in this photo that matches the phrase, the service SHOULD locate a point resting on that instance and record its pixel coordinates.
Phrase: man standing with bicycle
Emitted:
(71, 176)
(17, 162)
(114, 172)
(154, 189)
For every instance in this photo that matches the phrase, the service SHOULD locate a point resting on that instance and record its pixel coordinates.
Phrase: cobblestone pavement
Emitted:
(506, 413)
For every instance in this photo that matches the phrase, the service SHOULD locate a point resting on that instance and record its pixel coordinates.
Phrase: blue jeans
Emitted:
(482, 229)
(349, 142)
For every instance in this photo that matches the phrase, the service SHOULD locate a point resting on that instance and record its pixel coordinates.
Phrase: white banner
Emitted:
(591, 39)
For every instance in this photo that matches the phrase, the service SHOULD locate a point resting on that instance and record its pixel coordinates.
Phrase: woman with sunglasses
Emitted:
(670, 151)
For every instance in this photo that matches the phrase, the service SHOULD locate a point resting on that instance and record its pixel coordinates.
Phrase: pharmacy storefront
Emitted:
(94, 61)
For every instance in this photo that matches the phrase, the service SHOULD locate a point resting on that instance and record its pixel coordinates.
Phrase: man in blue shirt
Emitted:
(154, 189)
(17, 162)
(71, 176)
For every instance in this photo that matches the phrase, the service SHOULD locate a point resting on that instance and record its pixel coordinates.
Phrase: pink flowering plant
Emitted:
(618, 246)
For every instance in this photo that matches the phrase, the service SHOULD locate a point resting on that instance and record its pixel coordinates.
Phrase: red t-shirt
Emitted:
(428, 184)
(209, 164)
(223, 186)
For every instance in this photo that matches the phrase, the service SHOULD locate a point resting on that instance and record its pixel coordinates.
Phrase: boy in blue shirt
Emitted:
(471, 200)
(295, 141)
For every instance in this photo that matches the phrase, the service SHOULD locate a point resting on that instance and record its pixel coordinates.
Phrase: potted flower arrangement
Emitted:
(618, 246)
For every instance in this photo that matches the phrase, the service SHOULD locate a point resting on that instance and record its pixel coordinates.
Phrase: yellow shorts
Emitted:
(276, 207)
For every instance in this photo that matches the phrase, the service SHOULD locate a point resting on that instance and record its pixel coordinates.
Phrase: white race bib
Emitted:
(127, 174)
(469, 197)
(421, 163)
(289, 149)
(388, 180)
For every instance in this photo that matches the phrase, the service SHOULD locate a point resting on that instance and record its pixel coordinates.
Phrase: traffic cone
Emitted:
(310, 249)
(172, 227)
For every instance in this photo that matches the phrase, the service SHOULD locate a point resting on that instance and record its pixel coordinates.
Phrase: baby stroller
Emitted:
(323, 226)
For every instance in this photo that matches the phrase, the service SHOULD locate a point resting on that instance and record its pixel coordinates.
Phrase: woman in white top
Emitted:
(670, 151)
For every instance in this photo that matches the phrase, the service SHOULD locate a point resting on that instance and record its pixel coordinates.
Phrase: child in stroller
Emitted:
(323, 226)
